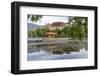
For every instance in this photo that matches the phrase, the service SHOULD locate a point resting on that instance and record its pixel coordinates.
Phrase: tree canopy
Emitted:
(34, 18)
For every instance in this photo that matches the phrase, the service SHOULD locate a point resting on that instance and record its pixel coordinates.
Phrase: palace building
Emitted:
(52, 27)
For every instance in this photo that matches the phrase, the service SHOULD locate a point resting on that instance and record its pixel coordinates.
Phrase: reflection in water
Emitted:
(57, 51)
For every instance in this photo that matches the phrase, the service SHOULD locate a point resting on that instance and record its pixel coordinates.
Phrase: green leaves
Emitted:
(78, 20)
(37, 32)
(34, 18)
(79, 27)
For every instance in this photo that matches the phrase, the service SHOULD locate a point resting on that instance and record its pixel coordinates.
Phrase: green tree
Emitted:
(79, 27)
(66, 31)
(38, 32)
(78, 20)
(58, 32)
(43, 31)
(31, 34)
(34, 18)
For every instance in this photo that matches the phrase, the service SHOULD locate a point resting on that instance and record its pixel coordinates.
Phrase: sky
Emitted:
(50, 19)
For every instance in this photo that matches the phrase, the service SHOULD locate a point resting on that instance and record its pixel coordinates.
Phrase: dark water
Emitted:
(57, 52)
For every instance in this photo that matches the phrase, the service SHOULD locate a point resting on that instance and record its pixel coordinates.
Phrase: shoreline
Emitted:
(48, 41)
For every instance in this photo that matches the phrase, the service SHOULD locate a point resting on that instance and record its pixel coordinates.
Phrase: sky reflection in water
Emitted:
(56, 52)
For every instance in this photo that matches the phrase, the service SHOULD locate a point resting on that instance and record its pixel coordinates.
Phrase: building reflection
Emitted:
(57, 48)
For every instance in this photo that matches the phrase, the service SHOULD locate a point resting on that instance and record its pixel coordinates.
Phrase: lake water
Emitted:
(57, 52)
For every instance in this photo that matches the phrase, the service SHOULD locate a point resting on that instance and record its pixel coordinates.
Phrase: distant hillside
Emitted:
(32, 26)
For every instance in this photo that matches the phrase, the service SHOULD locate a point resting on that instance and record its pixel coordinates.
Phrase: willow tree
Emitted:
(34, 18)
(82, 26)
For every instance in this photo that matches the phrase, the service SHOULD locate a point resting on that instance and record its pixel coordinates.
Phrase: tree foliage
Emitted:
(34, 18)
(79, 27)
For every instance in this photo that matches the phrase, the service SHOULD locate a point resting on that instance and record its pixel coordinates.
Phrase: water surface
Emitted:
(57, 52)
